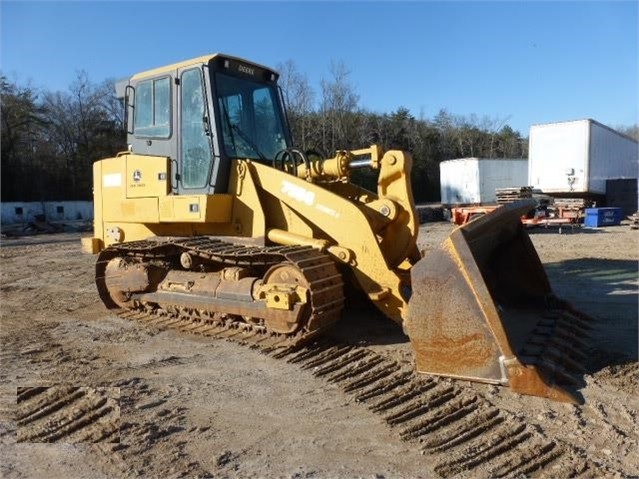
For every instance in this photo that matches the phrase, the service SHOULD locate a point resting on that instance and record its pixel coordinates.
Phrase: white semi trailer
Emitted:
(575, 158)
(473, 181)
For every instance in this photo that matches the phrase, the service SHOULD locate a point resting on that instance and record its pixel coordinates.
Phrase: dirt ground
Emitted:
(168, 404)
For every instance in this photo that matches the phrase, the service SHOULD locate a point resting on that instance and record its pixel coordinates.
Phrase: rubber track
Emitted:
(457, 428)
(325, 282)
(68, 414)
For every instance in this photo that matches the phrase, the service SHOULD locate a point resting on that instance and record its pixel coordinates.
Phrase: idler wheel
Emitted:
(286, 292)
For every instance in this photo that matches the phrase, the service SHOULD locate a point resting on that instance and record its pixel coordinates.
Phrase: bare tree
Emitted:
(85, 126)
(23, 122)
(298, 96)
(338, 101)
(631, 131)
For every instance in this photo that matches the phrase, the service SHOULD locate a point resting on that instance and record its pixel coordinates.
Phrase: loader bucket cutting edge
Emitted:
(482, 309)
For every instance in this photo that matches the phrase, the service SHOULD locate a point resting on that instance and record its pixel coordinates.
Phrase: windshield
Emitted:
(252, 125)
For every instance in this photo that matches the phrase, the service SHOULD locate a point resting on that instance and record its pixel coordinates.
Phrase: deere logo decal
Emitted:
(137, 176)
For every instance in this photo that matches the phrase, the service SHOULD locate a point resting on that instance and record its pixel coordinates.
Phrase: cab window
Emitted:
(252, 126)
(195, 145)
(153, 108)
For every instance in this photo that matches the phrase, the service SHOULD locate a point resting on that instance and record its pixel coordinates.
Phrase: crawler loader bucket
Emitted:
(482, 309)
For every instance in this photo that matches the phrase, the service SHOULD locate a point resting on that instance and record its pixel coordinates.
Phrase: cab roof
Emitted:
(194, 61)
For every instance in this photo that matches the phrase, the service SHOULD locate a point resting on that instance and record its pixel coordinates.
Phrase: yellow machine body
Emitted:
(479, 307)
(374, 236)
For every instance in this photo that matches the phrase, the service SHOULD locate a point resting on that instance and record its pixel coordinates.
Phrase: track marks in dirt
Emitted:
(68, 414)
(151, 417)
(155, 363)
(460, 430)
(603, 412)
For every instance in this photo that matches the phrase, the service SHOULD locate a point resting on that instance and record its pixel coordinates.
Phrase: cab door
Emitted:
(195, 152)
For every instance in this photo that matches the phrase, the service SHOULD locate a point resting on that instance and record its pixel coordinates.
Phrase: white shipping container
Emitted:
(469, 181)
(575, 157)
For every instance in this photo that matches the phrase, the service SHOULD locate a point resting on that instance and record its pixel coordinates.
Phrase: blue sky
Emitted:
(524, 62)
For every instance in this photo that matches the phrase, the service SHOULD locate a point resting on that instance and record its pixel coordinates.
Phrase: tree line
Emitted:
(51, 139)
(333, 120)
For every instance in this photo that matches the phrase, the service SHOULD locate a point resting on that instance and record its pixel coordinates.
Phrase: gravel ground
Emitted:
(165, 404)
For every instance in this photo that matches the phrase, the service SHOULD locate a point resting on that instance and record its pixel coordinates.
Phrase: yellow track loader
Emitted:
(212, 215)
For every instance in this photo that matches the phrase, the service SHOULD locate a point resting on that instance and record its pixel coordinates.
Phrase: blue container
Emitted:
(596, 217)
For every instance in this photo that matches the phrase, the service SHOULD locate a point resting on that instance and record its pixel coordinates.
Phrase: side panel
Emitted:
(558, 157)
(131, 186)
(146, 176)
(196, 208)
(109, 178)
(132, 201)
(502, 173)
(460, 181)
(612, 156)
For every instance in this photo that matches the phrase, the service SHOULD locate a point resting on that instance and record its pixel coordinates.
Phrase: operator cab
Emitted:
(202, 114)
